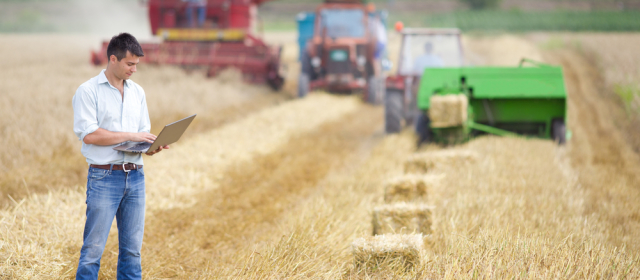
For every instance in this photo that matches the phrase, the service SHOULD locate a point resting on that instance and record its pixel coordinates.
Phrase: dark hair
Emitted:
(121, 43)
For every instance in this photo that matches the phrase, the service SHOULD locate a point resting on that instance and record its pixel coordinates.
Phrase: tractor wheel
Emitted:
(393, 101)
(373, 90)
(303, 85)
(422, 128)
(276, 83)
(559, 131)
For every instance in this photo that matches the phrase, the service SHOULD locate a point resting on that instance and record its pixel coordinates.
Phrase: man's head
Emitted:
(428, 47)
(123, 53)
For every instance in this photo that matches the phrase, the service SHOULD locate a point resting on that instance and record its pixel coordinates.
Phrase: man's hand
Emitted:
(143, 137)
(158, 150)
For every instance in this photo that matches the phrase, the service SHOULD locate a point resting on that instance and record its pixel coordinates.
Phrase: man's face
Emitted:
(124, 68)
(427, 48)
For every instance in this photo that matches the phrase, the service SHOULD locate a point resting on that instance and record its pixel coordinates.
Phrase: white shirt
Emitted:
(427, 60)
(98, 104)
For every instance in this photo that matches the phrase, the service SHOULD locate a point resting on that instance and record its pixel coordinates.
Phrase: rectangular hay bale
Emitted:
(402, 218)
(448, 110)
(408, 187)
(423, 162)
(388, 251)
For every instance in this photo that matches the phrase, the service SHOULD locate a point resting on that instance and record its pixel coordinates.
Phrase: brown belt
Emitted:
(125, 167)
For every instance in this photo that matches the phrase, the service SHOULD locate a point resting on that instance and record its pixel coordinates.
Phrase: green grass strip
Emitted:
(519, 21)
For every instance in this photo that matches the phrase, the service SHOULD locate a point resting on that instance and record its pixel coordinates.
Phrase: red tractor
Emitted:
(421, 48)
(211, 34)
(344, 52)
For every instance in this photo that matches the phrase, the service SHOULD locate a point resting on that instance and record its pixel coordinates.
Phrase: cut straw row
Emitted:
(401, 225)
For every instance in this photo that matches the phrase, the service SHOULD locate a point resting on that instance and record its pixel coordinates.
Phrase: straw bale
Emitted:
(423, 162)
(402, 217)
(418, 164)
(408, 187)
(448, 110)
(387, 251)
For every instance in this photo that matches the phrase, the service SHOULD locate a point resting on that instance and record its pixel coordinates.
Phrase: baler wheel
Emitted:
(393, 111)
(423, 130)
(559, 131)
(276, 83)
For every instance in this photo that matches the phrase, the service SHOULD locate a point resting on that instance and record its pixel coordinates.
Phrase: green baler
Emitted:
(501, 100)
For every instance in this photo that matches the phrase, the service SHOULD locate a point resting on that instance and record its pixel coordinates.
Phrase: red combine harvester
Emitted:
(212, 34)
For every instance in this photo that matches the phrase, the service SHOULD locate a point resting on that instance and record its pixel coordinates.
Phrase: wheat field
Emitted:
(281, 190)
(36, 117)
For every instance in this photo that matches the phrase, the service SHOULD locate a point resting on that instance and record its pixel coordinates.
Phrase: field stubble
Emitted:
(605, 161)
(48, 243)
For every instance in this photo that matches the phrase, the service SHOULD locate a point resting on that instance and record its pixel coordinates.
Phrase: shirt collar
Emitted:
(102, 78)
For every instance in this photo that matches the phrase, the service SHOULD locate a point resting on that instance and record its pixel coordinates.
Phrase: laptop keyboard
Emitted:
(140, 147)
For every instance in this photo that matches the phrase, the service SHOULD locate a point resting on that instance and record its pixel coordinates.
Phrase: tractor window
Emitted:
(342, 23)
(420, 51)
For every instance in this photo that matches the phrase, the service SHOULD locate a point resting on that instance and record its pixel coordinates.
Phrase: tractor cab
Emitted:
(341, 23)
(421, 48)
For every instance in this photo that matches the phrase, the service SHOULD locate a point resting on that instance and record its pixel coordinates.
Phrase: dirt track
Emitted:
(606, 165)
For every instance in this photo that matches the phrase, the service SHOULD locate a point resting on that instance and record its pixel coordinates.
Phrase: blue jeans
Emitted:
(119, 194)
(201, 15)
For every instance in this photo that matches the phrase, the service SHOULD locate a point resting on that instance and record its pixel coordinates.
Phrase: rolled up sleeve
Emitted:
(85, 120)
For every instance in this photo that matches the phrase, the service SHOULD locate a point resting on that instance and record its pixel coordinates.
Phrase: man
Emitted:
(378, 30)
(107, 110)
(428, 59)
(200, 6)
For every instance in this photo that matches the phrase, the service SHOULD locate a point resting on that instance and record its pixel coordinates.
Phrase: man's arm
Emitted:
(145, 123)
(103, 137)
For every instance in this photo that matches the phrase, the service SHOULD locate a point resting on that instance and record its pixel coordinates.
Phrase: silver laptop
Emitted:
(169, 135)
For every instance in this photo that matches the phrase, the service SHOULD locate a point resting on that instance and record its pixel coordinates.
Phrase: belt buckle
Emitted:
(125, 169)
